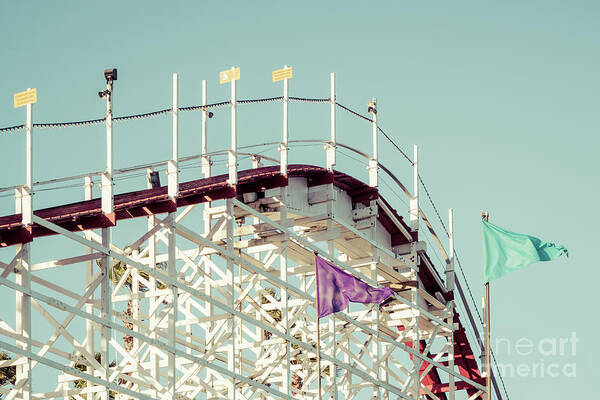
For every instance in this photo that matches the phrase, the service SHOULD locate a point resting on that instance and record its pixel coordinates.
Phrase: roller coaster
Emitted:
(205, 288)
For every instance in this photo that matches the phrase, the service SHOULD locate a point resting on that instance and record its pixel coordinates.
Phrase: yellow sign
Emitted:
(281, 74)
(27, 97)
(232, 74)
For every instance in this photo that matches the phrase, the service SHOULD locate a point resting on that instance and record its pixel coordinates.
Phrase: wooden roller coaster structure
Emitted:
(213, 297)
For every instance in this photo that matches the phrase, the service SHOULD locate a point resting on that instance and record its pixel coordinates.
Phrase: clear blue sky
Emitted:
(501, 97)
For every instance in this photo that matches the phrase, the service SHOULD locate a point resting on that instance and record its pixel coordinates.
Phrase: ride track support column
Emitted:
(331, 146)
(154, 359)
(450, 288)
(89, 276)
(206, 163)
(207, 219)
(23, 307)
(232, 156)
(373, 182)
(283, 150)
(283, 269)
(333, 369)
(173, 190)
(231, 359)
(414, 225)
(23, 277)
(373, 162)
(108, 211)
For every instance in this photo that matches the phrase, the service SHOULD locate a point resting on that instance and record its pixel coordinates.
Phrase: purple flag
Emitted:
(335, 288)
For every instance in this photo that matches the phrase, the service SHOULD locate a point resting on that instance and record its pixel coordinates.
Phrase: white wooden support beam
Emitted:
(88, 188)
(313, 248)
(283, 149)
(172, 166)
(232, 163)
(196, 293)
(101, 321)
(283, 275)
(450, 264)
(107, 176)
(74, 371)
(330, 148)
(154, 360)
(105, 307)
(372, 232)
(206, 172)
(206, 163)
(414, 202)
(23, 318)
(415, 376)
(172, 318)
(27, 210)
(107, 208)
(450, 345)
(344, 317)
(374, 160)
(22, 306)
(231, 353)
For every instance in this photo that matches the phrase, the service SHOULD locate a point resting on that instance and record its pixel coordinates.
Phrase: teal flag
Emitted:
(505, 251)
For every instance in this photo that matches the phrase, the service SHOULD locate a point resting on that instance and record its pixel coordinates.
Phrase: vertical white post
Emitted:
(173, 182)
(414, 202)
(105, 311)
(233, 151)
(229, 212)
(373, 162)
(107, 176)
(283, 266)
(376, 343)
(135, 301)
(24, 205)
(107, 208)
(450, 321)
(23, 307)
(450, 287)
(205, 158)
(172, 167)
(206, 172)
(256, 161)
(154, 359)
(172, 271)
(416, 341)
(88, 188)
(450, 266)
(283, 150)
(27, 202)
(414, 225)
(331, 146)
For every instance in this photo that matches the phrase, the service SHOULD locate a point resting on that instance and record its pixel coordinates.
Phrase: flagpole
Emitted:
(485, 217)
(318, 333)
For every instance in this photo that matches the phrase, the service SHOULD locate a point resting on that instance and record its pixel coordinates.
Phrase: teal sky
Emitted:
(501, 97)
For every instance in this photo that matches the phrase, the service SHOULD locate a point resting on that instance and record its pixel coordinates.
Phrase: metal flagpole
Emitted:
(318, 334)
(488, 382)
